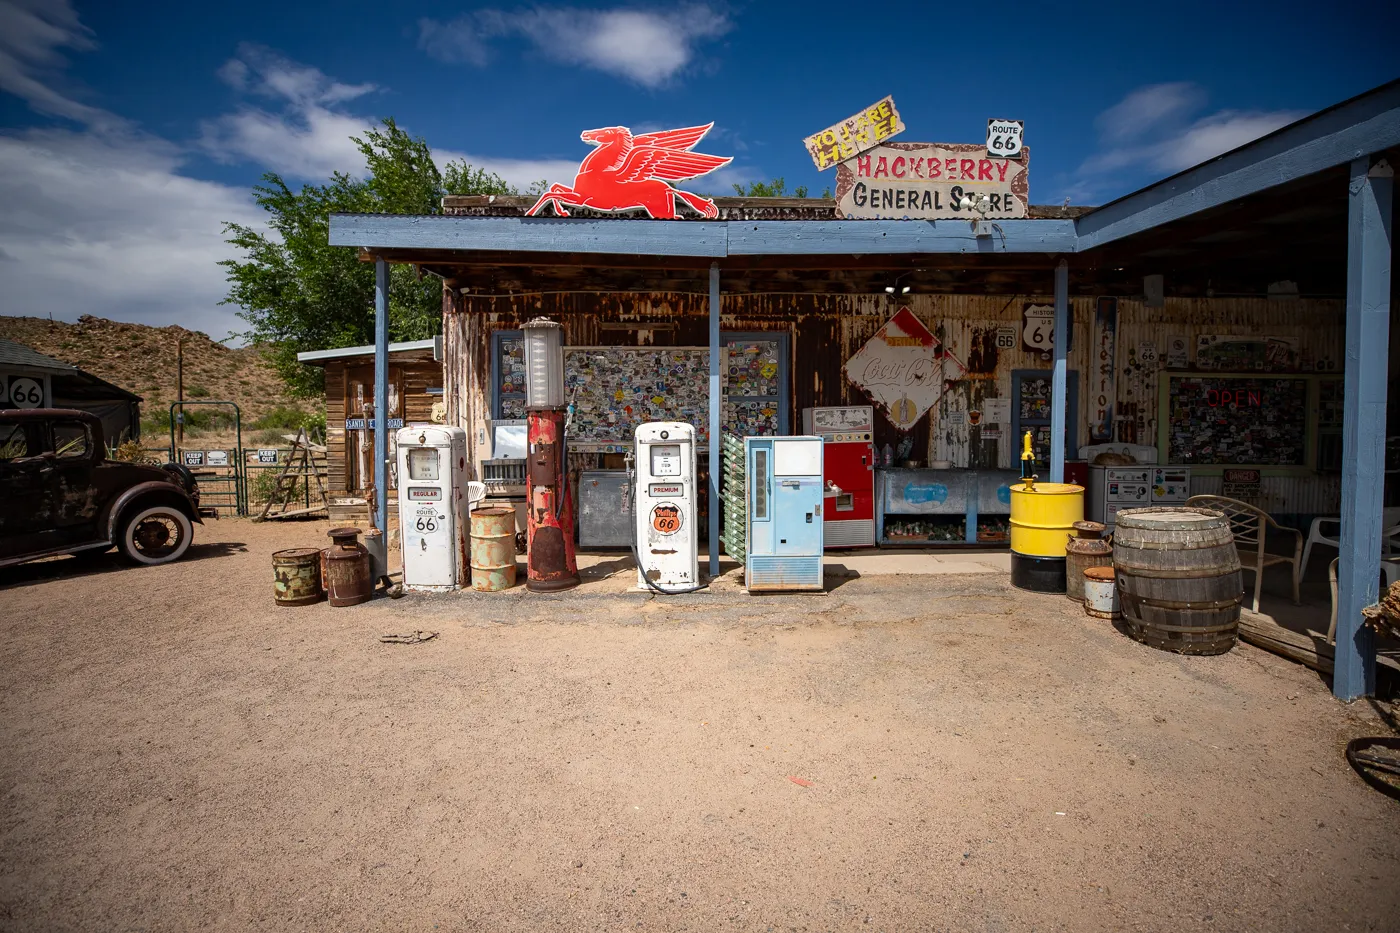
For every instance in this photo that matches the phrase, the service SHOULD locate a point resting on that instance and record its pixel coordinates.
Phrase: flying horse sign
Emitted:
(627, 173)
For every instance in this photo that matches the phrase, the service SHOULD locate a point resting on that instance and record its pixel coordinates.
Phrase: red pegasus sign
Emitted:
(629, 172)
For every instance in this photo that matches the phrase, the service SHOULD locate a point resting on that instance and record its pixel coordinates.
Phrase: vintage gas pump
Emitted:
(666, 529)
(550, 516)
(433, 506)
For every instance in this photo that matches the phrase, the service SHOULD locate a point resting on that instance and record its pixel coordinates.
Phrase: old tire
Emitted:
(156, 535)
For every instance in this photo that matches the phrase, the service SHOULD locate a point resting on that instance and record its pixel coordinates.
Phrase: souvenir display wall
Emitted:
(614, 389)
(1246, 420)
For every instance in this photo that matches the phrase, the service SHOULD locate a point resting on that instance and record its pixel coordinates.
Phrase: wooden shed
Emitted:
(415, 388)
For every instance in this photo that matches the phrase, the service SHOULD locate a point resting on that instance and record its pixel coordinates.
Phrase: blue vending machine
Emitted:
(785, 513)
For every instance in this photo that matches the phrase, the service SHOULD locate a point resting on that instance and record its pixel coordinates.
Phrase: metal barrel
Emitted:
(296, 577)
(1042, 515)
(493, 549)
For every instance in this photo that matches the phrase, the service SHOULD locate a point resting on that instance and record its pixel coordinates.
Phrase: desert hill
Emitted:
(141, 359)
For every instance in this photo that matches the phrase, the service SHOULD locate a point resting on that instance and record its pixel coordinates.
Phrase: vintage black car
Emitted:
(59, 494)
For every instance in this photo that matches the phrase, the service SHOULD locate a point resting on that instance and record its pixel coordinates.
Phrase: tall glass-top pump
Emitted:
(544, 363)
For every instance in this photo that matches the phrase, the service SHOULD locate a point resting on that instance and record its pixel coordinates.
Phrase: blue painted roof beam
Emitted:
(528, 234)
(712, 239)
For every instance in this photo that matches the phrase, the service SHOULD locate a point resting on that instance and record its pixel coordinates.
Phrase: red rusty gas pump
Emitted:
(551, 563)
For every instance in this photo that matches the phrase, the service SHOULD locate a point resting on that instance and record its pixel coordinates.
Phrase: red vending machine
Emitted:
(848, 462)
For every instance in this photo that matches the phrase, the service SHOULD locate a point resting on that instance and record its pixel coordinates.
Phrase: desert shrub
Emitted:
(196, 392)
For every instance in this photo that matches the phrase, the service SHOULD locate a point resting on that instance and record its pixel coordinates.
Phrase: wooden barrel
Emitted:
(1179, 581)
(296, 577)
(493, 549)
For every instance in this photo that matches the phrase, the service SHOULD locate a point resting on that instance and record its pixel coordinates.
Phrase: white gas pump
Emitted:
(433, 506)
(663, 488)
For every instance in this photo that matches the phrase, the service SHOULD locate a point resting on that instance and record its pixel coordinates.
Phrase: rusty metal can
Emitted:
(1101, 592)
(493, 550)
(348, 578)
(1090, 549)
(296, 577)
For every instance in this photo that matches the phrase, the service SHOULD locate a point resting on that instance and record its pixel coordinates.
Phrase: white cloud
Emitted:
(1147, 108)
(647, 47)
(1219, 133)
(32, 33)
(306, 136)
(1151, 133)
(99, 220)
(105, 224)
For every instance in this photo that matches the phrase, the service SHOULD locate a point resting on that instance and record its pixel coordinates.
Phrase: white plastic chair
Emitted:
(1391, 568)
(1390, 529)
(476, 491)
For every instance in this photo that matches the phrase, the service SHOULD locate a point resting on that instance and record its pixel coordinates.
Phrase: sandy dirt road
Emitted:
(178, 754)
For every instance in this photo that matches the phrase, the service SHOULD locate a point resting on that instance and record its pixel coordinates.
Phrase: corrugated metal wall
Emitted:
(828, 330)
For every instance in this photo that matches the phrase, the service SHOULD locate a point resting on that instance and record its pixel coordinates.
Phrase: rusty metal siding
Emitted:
(826, 330)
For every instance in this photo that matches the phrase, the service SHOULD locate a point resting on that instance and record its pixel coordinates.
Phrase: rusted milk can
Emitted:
(493, 549)
(348, 579)
(1090, 549)
(296, 577)
(1101, 593)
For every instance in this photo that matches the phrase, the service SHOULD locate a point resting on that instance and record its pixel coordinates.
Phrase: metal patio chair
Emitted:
(1250, 525)
(1390, 566)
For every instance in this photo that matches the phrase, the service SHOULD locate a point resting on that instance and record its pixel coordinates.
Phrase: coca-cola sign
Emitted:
(904, 369)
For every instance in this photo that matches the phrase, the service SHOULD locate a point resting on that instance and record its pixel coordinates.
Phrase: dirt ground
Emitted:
(902, 753)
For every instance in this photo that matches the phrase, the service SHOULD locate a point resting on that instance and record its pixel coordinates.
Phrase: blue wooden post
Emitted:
(1059, 377)
(381, 395)
(715, 425)
(1363, 431)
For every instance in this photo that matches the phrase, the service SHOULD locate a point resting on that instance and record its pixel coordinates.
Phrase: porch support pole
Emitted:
(1363, 427)
(1059, 376)
(714, 420)
(381, 395)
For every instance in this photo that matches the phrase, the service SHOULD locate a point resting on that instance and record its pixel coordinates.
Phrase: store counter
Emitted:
(943, 507)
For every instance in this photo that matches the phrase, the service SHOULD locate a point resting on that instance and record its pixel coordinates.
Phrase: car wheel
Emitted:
(156, 535)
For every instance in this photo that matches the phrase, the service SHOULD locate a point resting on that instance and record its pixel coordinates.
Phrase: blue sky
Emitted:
(130, 131)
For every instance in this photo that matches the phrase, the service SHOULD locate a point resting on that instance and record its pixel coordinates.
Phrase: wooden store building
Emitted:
(1228, 325)
(415, 394)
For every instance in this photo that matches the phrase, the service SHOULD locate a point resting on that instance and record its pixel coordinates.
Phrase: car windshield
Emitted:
(14, 442)
(70, 439)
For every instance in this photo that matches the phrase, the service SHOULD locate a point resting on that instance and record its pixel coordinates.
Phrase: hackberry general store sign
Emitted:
(926, 181)
(903, 368)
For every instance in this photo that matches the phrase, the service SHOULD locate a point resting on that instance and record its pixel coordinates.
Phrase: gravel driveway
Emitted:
(903, 753)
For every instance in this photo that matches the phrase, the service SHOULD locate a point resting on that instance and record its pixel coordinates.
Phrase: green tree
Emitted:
(299, 293)
(777, 188)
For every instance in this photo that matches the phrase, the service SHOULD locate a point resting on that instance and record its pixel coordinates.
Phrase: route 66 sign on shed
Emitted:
(903, 368)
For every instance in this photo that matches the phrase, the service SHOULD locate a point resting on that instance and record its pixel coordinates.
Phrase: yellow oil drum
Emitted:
(1042, 519)
(493, 549)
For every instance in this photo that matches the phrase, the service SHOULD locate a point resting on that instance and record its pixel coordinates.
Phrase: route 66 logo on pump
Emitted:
(666, 518)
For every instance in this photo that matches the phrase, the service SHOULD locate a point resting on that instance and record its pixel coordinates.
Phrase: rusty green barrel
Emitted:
(493, 549)
(296, 577)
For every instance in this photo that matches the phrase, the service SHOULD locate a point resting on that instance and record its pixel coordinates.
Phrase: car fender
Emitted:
(156, 491)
